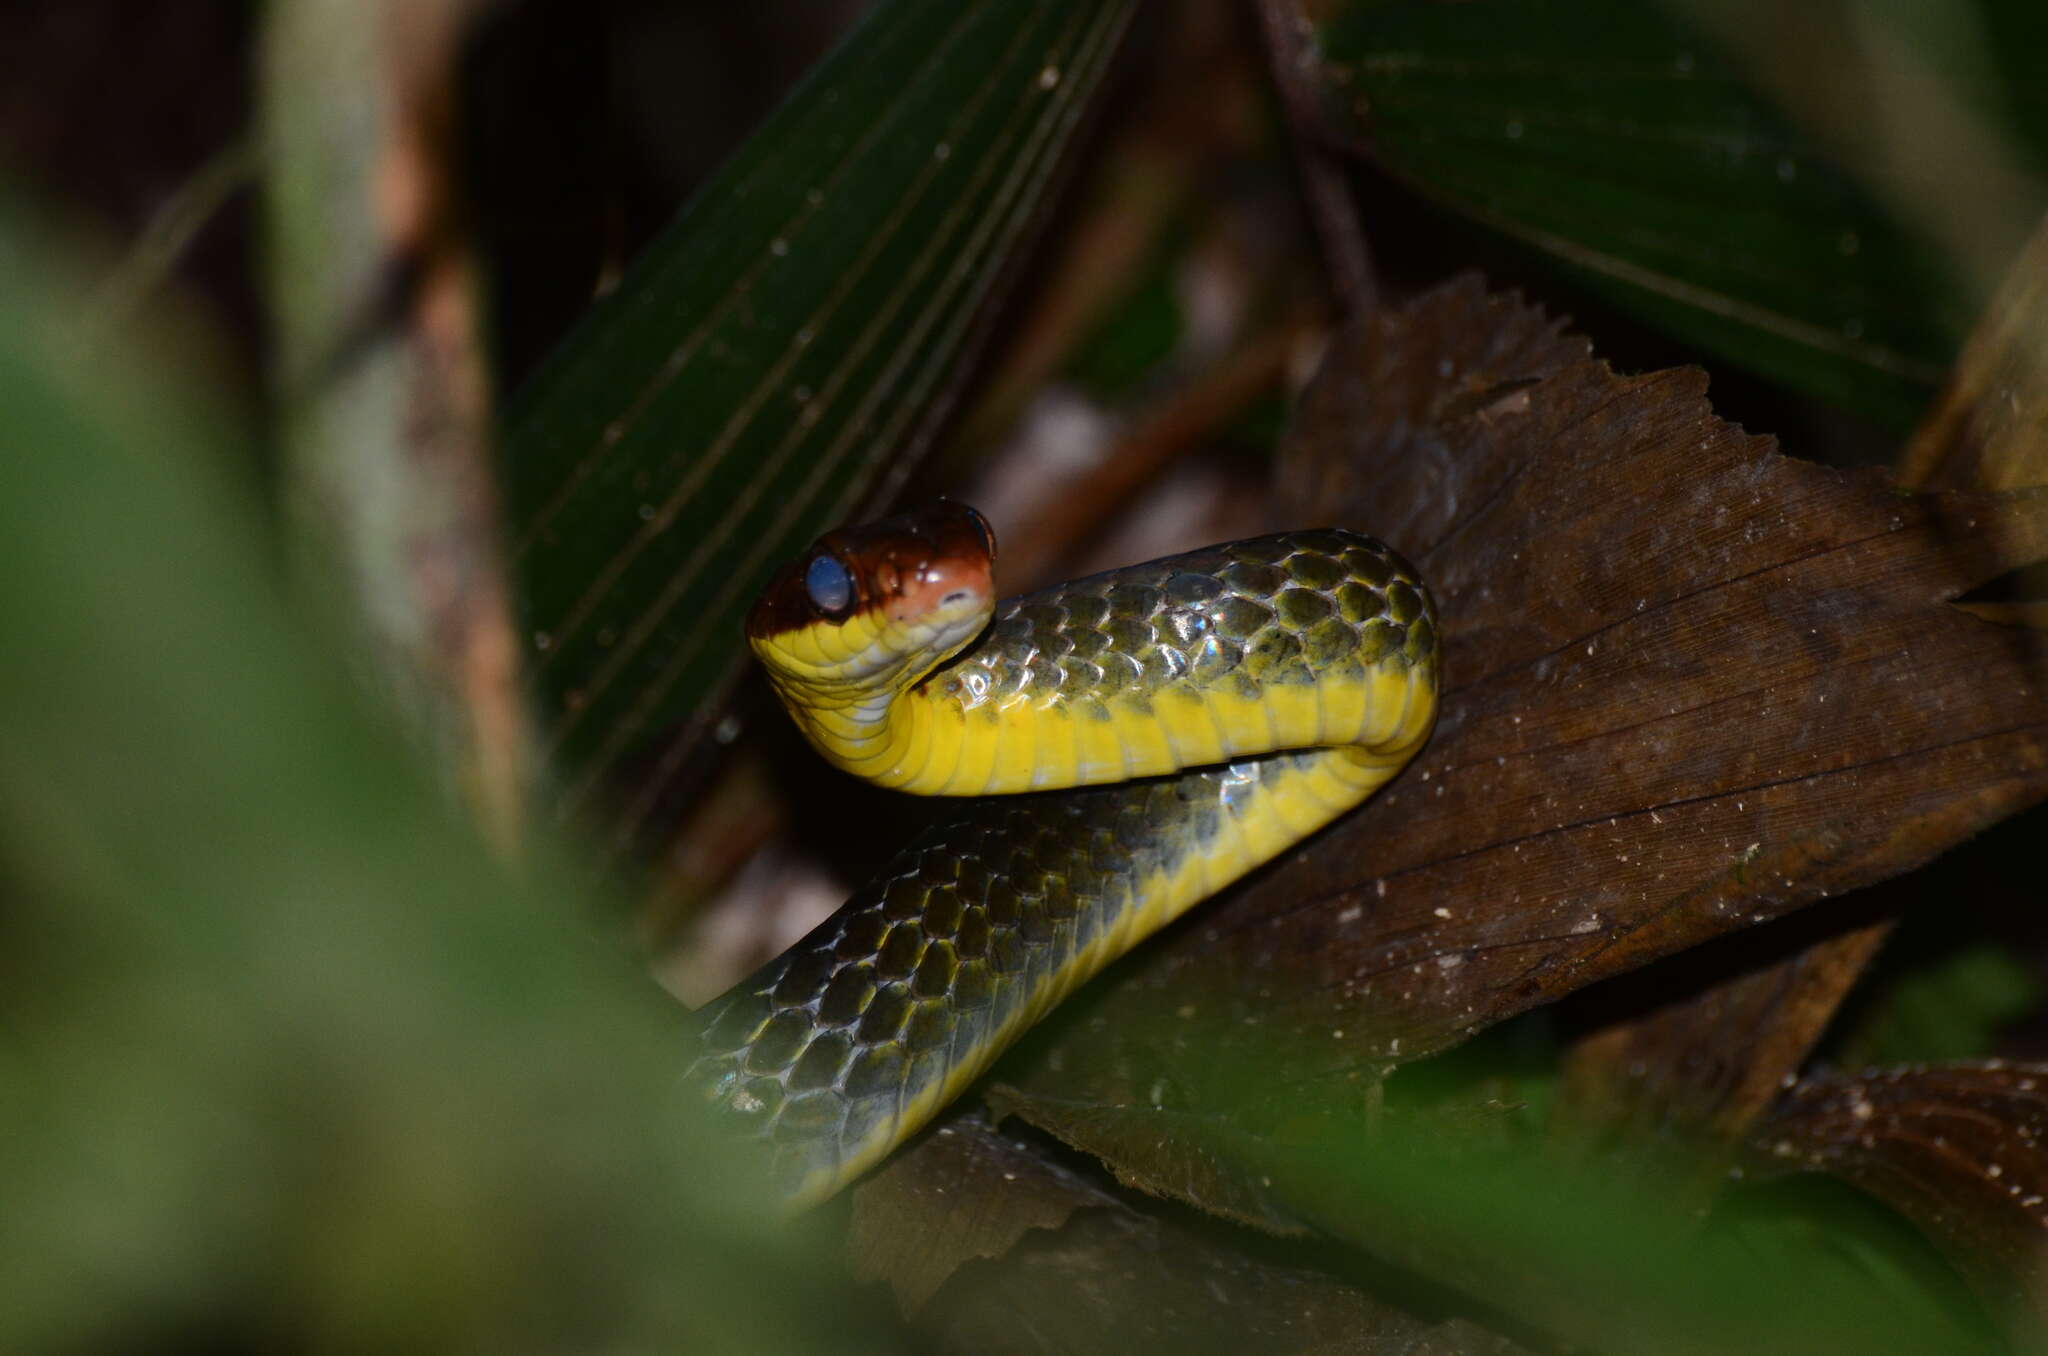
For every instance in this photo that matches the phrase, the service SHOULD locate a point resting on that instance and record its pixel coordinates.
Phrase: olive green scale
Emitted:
(1291, 608)
(839, 1049)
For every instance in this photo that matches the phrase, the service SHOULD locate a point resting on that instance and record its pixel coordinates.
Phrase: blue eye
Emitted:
(828, 583)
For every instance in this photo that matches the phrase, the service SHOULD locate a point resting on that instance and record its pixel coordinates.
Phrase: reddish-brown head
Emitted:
(883, 598)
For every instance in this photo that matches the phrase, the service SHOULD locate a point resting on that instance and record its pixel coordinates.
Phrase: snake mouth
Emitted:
(869, 601)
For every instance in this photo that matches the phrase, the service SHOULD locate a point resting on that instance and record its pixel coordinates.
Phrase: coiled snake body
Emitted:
(1322, 643)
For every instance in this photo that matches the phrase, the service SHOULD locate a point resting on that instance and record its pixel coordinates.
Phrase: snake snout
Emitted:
(940, 588)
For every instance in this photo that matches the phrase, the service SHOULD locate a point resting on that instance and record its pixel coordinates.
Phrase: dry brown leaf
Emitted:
(1693, 685)
(1956, 1149)
(1708, 1064)
(1990, 428)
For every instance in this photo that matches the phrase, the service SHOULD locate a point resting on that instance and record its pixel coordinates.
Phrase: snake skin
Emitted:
(838, 1048)
(1295, 607)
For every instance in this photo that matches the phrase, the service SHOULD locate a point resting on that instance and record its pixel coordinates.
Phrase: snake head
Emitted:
(880, 605)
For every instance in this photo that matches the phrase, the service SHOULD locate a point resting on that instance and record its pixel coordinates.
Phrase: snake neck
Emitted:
(884, 737)
(858, 689)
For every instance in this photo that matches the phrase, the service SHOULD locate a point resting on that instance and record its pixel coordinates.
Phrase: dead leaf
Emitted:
(1693, 685)
(1957, 1149)
(1707, 1065)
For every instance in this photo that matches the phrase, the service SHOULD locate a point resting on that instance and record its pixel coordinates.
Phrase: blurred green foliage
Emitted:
(288, 1060)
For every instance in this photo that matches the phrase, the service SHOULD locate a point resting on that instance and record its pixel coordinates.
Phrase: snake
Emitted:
(1135, 741)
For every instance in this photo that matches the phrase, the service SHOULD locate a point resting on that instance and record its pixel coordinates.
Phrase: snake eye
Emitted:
(829, 584)
(988, 534)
